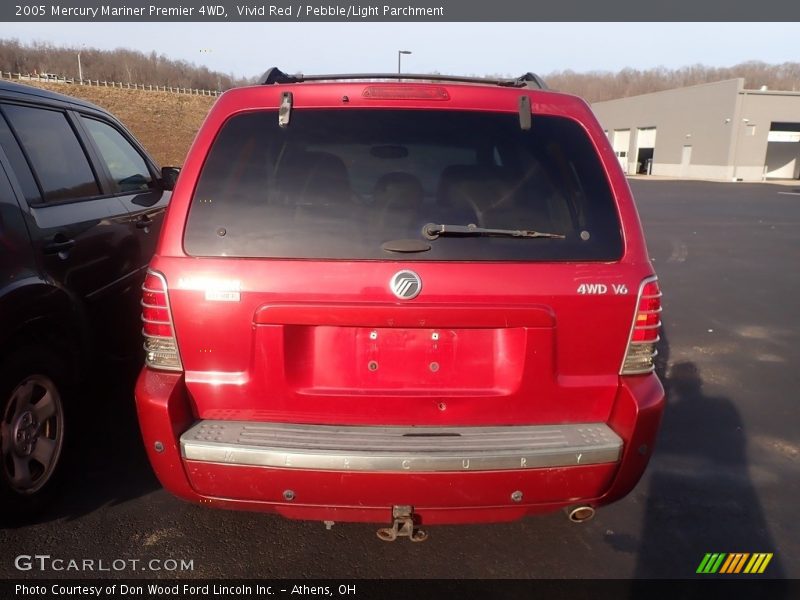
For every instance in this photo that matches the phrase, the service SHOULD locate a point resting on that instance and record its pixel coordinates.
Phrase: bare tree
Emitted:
(602, 85)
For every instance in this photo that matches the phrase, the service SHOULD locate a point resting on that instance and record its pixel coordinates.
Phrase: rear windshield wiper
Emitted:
(434, 230)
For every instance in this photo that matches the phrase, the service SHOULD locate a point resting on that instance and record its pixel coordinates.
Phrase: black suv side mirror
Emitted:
(169, 175)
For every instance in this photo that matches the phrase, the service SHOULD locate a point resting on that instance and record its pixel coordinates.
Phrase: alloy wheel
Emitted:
(31, 434)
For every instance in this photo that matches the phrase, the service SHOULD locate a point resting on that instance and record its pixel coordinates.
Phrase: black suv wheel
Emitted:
(32, 428)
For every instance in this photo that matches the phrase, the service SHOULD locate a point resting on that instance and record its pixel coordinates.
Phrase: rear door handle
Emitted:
(58, 245)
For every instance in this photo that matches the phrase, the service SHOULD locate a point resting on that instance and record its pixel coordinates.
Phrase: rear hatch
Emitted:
(340, 272)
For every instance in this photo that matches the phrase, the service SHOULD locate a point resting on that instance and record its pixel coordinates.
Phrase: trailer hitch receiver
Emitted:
(402, 526)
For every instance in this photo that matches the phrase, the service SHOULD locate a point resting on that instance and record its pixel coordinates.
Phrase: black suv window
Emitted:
(19, 166)
(340, 183)
(126, 165)
(54, 152)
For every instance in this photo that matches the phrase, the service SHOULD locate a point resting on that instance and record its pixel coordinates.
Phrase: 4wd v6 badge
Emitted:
(602, 288)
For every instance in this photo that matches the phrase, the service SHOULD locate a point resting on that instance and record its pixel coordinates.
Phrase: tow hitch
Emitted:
(402, 526)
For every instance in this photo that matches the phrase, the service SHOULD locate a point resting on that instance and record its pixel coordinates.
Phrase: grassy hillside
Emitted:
(165, 123)
(120, 64)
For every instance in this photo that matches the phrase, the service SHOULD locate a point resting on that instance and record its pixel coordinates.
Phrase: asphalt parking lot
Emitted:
(724, 477)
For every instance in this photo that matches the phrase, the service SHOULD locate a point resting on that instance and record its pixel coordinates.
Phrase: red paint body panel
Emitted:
(485, 343)
(241, 358)
(436, 497)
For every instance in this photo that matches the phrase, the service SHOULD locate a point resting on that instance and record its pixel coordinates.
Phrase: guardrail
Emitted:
(111, 84)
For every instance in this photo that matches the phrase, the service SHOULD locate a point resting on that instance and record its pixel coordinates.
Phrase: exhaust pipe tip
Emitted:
(580, 514)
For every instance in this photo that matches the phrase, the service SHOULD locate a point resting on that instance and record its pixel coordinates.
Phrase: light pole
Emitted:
(80, 70)
(399, 56)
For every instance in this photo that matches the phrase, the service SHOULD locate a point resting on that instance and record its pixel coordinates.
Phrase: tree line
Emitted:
(596, 86)
(132, 66)
(120, 65)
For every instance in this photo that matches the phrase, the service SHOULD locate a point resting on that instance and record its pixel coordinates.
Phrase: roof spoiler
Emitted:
(275, 76)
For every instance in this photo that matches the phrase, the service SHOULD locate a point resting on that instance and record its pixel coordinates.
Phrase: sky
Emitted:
(248, 49)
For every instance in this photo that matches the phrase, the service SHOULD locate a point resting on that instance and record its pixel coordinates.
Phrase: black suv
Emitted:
(81, 205)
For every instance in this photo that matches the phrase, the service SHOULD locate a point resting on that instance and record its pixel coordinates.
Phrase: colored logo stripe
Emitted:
(734, 563)
(758, 563)
(711, 563)
(723, 563)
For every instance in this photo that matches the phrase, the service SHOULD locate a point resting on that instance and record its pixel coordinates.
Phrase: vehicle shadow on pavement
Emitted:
(700, 498)
(106, 463)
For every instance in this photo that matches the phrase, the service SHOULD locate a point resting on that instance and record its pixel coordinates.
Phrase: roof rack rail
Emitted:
(528, 80)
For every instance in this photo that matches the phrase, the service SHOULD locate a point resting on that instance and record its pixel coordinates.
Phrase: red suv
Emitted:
(412, 301)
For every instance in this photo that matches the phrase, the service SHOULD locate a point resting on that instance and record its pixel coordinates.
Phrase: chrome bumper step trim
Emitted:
(400, 449)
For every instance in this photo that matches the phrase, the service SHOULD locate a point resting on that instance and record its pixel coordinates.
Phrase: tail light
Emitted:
(160, 345)
(641, 350)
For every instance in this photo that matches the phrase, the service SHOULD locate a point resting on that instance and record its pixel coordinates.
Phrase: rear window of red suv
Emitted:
(340, 184)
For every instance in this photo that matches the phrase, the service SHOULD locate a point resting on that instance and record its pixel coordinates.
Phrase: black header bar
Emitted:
(281, 11)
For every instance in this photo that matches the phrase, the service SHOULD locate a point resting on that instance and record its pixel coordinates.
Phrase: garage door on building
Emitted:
(645, 148)
(622, 143)
(783, 151)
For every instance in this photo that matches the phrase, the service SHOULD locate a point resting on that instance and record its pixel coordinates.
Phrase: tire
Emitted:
(32, 428)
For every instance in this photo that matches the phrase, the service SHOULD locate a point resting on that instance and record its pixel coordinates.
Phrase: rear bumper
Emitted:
(211, 469)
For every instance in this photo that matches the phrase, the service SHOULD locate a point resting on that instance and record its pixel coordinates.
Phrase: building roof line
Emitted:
(770, 92)
(738, 79)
